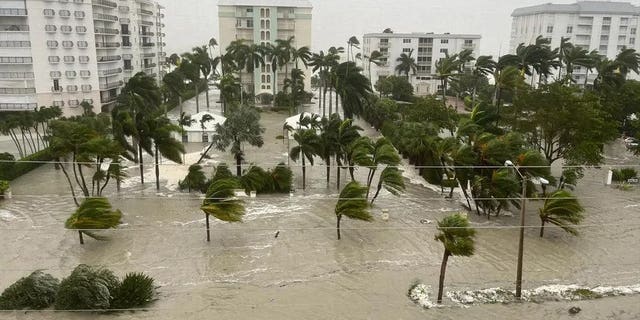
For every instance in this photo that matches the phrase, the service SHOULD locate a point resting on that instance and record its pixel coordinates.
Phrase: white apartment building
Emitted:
(64, 52)
(593, 25)
(425, 48)
(262, 22)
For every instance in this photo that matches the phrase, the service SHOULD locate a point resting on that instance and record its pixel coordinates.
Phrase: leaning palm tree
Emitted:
(376, 57)
(446, 69)
(164, 143)
(221, 203)
(93, 214)
(391, 179)
(308, 146)
(628, 60)
(457, 237)
(562, 209)
(406, 64)
(352, 204)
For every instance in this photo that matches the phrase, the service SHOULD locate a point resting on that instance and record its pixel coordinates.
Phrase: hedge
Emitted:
(12, 170)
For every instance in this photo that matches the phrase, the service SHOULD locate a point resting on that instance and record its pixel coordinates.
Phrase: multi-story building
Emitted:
(593, 25)
(64, 52)
(425, 48)
(262, 22)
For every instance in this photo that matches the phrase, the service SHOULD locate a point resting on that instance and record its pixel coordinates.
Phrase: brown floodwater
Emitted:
(245, 272)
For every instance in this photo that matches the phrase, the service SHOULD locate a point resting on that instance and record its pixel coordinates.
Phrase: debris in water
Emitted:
(574, 310)
(425, 221)
(277, 233)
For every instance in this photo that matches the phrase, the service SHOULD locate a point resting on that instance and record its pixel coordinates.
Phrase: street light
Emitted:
(508, 163)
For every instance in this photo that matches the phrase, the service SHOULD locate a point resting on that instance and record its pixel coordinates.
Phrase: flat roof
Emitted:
(267, 3)
(423, 35)
(582, 7)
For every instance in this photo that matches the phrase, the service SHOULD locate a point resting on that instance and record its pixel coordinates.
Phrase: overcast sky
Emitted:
(194, 22)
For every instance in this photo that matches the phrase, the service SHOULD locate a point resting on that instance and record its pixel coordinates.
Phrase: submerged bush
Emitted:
(624, 174)
(136, 290)
(36, 291)
(87, 288)
(282, 178)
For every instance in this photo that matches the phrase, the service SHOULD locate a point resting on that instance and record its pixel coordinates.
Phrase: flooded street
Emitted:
(245, 272)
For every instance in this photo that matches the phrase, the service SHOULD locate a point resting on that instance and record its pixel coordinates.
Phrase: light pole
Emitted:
(523, 200)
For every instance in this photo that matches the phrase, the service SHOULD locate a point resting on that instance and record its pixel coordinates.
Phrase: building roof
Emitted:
(294, 122)
(423, 35)
(582, 7)
(210, 125)
(267, 3)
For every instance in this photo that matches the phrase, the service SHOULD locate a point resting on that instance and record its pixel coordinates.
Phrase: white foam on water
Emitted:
(6, 215)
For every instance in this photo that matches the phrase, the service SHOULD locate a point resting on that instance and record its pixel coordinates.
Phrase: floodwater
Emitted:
(245, 272)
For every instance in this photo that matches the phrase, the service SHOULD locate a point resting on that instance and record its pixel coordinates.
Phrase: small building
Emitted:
(202, 127)
(294, 123)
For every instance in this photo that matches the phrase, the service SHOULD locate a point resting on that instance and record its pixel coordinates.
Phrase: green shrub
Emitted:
(136, 290)
(222, 172)
(4, 186)
(282, 178)
(36, 291)
(87, 288)
(16, 169)
(265, 98)
(258, 180)
(624, 174)
(195, 180)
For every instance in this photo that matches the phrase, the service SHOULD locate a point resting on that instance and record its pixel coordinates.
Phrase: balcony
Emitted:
(56, 90)
(109, 99)
(108, 86)
(384, 45)
(147, 44)
(15, 44)
(17, 90)
(145, 12)
(148, 55)
(107, 45)
(125, 32)
(14, 28)
(150, 65)
(18, 106)
(147, 34)
(105, 17)
(286, 25)
(16, 60)
(145, 23)
(107, 31)
(109, 72)
(17, 75)
(104, 59)
(105, 3)
(10, 12)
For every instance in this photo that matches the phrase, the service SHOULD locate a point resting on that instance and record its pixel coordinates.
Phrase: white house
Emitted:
(202, 128)
(294, 122)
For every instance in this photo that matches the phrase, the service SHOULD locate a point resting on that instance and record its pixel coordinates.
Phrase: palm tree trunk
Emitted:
(157, 169)
(141, 163)
(84, 183)
(17, 143)
(542, 229)
(304, 174)
(73, 192)
(443, 269)
(197, 98)
(80, 236)
(338, 225)
(586, 79)
(331, 102)
(377, 192)
(328, 164)
(208, 232)
(207, 93)
(238, 165)
(338, 177)
(372, 173)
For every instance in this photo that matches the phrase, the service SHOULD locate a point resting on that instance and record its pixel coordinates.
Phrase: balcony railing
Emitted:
(147, 44)
(16, 75)
(13, 27)
(145, 12)
(109, 72)
(109, 58)
(16, 60)
(108, 99)
(105, 17)
(150, 65)
(9, 12)
(105, 3)
(147, 34)
(17, 90)
(146, 23)
(106, 45)
(56, 90)
(107, 86)
(107, 31)
(148, 55)
(18, 106)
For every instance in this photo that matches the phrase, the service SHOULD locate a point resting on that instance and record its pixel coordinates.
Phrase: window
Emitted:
(633, 31)
(50, 28)
(54, 59)
(632, 40)
(268, 35)
(70, 74)
(268, 13)
(85, 73)
(622, 38)
(263, 24)
(602, 48)
(623, 29)
(56, 85)
(444, 40)
(406, 50)
(445, 51)
(66, 29)
(52, 43)
(262, 35)
(124, 29)
(58, 103)
(249, 10)
(262, 13)
(79, 14)
(268, 24)
(205, 137)
(606, 28)
(549, 29)
(69, 59)
(74, 103)
(406, 40)
(72, 88)
(468, 42)
(67, 44)
(425, 41)
(624, 21)
(569, 29)
(604, 38)
(238, 23)
(81, 29)
(127, 65)
(49, 12)
(384, 50)
(83, 59)
(268, 78)
(620, 48)
(83, 44)
(55, 74)
(264, 78)
(606, 20)
(64, 13)
(249, 23)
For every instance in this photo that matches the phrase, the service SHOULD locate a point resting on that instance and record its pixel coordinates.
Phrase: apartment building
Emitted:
(64, 52)
(593, 25)
(262, 22)
(425, 48)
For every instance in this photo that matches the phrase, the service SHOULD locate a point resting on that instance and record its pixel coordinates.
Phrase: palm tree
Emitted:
(345, 135)
(221, 203)
(565, 45)
(164, 143)
(352, 204)
(327, 141)
(457, 237)
(562, 209)
(307, 147)
(277, 56)
(200, 56)
(191, 70)
(383, 154)
(93, 214)
(353, 42)
(574, 56)
(195, 178)
(286, 49)
(446, 69)
(248, 57)
(352, 87)
(591, 61)
(391, 179)
(627, 60)
(406, 64)
(485, 65)
(374, 58)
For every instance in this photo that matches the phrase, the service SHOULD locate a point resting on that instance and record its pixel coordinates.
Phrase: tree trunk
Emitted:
(328, 170)
(141, 163)
(338, 177)
(304, 174)
(377, 192)
(157, 169)
(338, 225)
(73, 192)
(238, 165)
(85, 190)
(208, 232)
(542, 229)
(372, 173)
(207, 93)
(197, 100)
(443, 269)
(331, 102)
(80, 236)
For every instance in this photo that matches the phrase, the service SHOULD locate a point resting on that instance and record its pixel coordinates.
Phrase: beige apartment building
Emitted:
(262, 22)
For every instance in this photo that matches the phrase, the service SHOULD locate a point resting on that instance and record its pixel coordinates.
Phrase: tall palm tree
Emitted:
(345, 135)
(485, 65)
(591, 61)
(374, 58)
(627, 60)
(327, 141)
(352, 87)
(391, 179)
(164, 143)
(200, 57)
(191, 70)
(562, 209)
(93, 214)
(277, 56)
(220, 202)
(307, 148)
(383, 154)
(457, 237)
(574, 56)
(352, 204)
(406, 64)
(353, 42)
(565, 46)
(286, 50)
(248, 56)
(446, 69)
